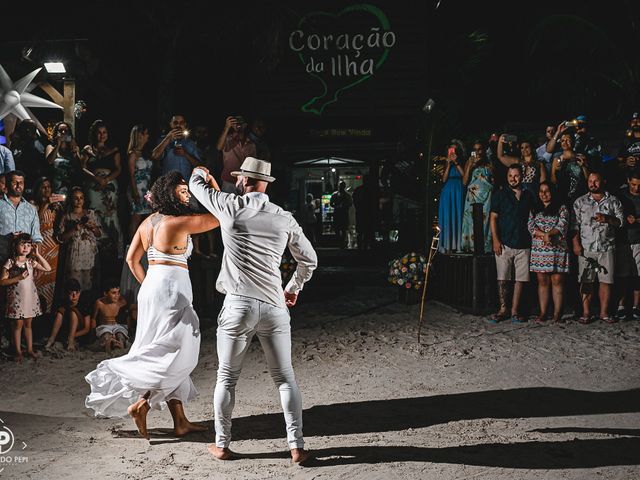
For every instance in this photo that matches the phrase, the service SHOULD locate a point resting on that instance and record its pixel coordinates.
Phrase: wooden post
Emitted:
(478, 229)
(68, 103)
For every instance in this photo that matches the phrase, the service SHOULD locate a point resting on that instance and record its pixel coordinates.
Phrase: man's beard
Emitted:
(515, 187)
(13, 193)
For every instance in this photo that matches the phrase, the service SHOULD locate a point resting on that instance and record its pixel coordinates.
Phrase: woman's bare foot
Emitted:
(187, 427)
(138, 412)
(221, 453)
(300, 456)
(33, 354)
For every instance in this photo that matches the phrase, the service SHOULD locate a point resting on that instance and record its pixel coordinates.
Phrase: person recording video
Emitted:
(176, 150)
(235, 145)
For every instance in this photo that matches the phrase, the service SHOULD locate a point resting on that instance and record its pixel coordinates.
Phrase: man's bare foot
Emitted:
(19, 357)
(138, 412)
(300, 456)
(221, 453)
(187, 428)
(33, 354)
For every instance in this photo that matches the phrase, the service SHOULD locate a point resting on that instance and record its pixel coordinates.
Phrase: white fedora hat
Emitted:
(255, 168)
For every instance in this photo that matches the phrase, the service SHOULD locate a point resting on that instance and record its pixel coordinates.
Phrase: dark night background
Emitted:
(490, 66)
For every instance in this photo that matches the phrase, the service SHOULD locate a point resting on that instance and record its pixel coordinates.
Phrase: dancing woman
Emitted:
(155, 372)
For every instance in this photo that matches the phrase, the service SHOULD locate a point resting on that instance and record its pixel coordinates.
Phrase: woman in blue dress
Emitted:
(451, 201)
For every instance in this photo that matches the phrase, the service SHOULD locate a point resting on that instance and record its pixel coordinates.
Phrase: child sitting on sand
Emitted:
(105, 314)
(77, 324)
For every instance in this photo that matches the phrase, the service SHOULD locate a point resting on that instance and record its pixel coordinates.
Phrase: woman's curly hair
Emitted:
(163, 195)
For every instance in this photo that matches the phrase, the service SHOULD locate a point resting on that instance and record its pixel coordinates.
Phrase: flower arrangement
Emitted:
(408, 271)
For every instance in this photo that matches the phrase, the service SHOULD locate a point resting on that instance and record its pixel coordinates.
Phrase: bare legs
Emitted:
(18, 326)
(181, 425)
(557, 288)
(604, 294)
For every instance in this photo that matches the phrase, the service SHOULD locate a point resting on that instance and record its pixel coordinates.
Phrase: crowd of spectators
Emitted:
(67, 211)
(560, 209)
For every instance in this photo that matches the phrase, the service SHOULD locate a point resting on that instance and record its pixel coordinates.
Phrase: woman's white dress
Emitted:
(164, 353)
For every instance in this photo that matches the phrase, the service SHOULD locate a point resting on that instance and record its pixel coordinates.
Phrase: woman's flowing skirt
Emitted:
(163, 355)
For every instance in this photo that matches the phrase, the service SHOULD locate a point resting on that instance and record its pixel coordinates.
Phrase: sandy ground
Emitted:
(474, 400)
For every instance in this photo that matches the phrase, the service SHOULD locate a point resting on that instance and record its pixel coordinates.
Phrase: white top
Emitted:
(154, 254)
(255, 234)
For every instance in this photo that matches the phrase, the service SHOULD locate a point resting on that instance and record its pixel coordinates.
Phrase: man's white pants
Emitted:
(239, 320)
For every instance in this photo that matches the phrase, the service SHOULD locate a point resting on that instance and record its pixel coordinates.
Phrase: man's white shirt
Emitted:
(255, 233)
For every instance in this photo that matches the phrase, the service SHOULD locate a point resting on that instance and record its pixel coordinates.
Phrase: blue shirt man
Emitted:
(6, 160)
(16, 214)
(176, 151)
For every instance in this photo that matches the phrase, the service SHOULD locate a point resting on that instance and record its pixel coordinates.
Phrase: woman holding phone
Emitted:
(451, 203)
(478, 177)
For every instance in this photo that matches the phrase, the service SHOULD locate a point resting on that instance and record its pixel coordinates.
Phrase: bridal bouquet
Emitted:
(408, 271)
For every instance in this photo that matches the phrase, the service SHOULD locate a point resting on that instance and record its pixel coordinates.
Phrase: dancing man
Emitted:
(255, 234)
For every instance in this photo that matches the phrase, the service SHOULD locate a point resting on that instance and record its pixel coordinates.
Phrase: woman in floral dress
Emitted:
(63, 157)
(548, 226)
(79, 229)
(101, 166)
(478, 176)
(139, 176)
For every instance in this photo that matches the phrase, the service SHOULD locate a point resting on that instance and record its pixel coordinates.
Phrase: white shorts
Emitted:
(514, 262)
(112, 329)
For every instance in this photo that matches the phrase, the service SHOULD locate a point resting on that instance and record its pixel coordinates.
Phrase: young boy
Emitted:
(78, 324)
(105, 315)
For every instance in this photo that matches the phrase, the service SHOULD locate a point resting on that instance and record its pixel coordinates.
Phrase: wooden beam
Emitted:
(69, 102)
(52, 92)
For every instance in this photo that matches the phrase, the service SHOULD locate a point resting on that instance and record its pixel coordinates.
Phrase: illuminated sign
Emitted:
(339, 54)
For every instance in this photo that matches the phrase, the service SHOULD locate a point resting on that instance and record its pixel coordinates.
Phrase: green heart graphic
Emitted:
(322, 100)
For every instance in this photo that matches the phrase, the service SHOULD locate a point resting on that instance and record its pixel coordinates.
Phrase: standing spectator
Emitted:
(478, 178)
(597, 215)
(548, 227)
(569, 171)
(49, 207)
(140, 169)
(63, 156)
(366, 199)
(176, 150)
(631, 143)
(28, 153)
(341, 202)
(533, 170)
(22, 296)
(541, 151)
(16, 214)
(235, 146)
(79, 229)
(308, 219)
(257, 130)
(6, 160)
(627, 263)
(102, 166)
(209, 158)
(618, 173)
(451, 203)
(587, 145)
(510, 208)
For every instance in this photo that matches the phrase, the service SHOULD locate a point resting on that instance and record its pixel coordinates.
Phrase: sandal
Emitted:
(584, 320)
(540, 320)
(497, 317)
(518, 319)
(609, 319)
